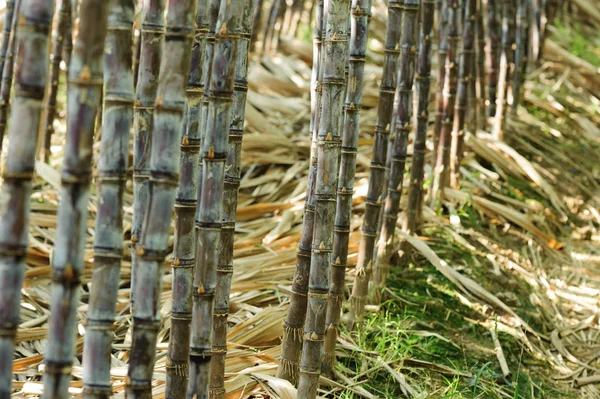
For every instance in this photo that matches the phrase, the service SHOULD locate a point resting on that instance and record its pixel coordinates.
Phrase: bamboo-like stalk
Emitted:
(270, 35)
(399, 145)
(9, 13)
(63, 29)
(465, 79)
(185, 210)
(233, 172)
(256, 24)
(441, 172)
(210, 215)
(8, 71)
(423, 84)
(335, 43)
(504, 68)
(164, 170)
(368, 232)
(520, 53)
(492, 60)
(85, 82)
(291, 346)
(480, 92)
(442, 40)
(35, 23)
(360, 14)
(152, 32)
(112, 174)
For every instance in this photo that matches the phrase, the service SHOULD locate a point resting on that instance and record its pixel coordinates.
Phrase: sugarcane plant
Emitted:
(293, 324)
(209, 221)
(8, 64)
(465, 78)
(441, 172)
(360, 14)
(85, 82)
(442, 51)
(62, 30)
(9, 14)
(111, 178)
(368, 231)
(233, 170)
(182, 267)
(479, 61)
(520, 56)
(164, 170)
(492, 55)
(152, 33)
(335, 43)
(423, 83)
(504, 69)
(35, 20)
(399, 144)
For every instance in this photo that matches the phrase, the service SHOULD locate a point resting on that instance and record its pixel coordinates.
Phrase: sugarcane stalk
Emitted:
(291, 346)
(377, 175)
(9, 13)
(492, 55)
(423, 84)
(209, 221)
(442, 39)
(480, 83)
(465, 79)
(360, 15)
(504, 66)
(520, 53)
(335, 45)
(35, 22)
(233, 167)
(111, 178)
(152, 33)
(63, 29)
(256, 24)
(164, 170)
(399, 145)
(85, 82)
(182, 267)
(8, 72)
(441, 172)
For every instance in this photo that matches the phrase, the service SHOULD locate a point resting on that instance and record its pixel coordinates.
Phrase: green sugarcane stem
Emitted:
(35, 21)
(291, 346)
(164, 177)
(377, 172)
(185, 209)
(85, 81)
(112, 175)
(399, 144)
(209, 221)
(360, 15)
(152, 32)
(8, 72)
(423, 83)
(441, 172)
(335, 44)
(465, 80)
(233, 173)
(62, 31)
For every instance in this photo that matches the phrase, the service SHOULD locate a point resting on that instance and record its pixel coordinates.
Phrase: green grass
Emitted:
(577, 41)
(424, 302)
